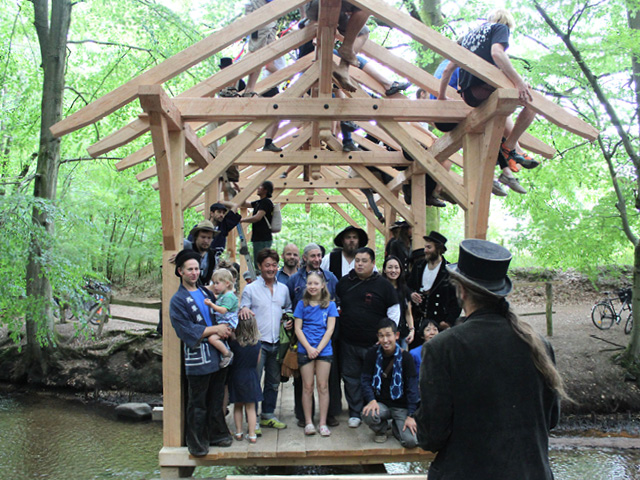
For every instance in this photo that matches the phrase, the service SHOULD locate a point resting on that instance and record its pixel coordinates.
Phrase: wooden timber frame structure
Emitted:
(307, 140)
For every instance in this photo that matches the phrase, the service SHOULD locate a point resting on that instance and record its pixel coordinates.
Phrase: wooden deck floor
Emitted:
(345, 446)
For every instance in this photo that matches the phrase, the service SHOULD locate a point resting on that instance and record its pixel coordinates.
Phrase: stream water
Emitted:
(43, 437)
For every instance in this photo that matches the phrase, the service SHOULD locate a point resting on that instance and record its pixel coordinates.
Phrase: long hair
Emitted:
(483, 298)
(402, 281)
(247, 332)
(325, 297)
(403, 235)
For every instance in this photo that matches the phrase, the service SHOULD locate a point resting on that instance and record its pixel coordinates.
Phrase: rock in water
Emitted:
(135, 411)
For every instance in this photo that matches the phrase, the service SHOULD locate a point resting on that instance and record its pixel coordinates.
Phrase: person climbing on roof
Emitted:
(489, 42)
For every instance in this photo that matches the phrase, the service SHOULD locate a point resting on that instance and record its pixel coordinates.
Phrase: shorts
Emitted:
(303, 359)
(474, 96)
(261, 38)
(311, 11)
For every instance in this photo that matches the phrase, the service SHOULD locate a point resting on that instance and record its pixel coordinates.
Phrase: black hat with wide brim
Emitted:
(362, 236)
(183, 256)
(436, 237)
(485, 264)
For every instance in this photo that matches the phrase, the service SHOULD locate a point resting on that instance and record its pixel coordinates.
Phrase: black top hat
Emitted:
(362, 236)
(485, 264)
(436, 237)
(399, 224)
(183, 256)
(225, 62)
(218, 206)
(416, 254)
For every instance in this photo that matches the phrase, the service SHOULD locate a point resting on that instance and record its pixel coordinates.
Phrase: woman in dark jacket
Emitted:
(393, 270)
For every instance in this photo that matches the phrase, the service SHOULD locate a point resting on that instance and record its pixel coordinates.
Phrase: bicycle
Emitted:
(604, 313)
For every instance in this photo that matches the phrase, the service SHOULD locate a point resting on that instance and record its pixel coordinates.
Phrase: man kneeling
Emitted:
(390, 388)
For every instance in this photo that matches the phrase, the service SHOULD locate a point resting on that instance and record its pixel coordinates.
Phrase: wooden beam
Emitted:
(328, 15)
(236, 109)
(255, 182)
(175, 65)
(322, 157)
(472, 63)
(344, 215)
(302, 199)
(237, 146)
(368, 214)
(213, 85)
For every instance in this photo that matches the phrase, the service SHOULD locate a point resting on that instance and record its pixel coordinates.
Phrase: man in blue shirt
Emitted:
(291, 262)
(193, 322)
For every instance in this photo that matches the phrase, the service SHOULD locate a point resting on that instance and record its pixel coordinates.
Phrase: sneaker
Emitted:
(446, 197)
(229, 92)
(512, 183)
(380, 438)
(225, 361)
(513, 165)
(258, 430)
(350, 146)
(529, 162)
(511, 155)
(272, 147)
(272, 422)
(324, 431)
(497, 189)
(354, 422)
(309, 429)
(397, 87)
(435, 202)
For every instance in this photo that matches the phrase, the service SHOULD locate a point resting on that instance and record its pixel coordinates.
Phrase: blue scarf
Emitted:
(396, 380)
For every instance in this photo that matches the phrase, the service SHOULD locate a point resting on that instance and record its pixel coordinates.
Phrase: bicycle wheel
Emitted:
(628, 326)
(602, 315)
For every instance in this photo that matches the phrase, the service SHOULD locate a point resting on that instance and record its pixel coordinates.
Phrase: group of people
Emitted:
(356, 332)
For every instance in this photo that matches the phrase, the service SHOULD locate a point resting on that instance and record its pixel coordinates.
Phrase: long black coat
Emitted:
(485, 409)
(442, 304)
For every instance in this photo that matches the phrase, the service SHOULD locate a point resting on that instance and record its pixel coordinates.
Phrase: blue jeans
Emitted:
(269, 363)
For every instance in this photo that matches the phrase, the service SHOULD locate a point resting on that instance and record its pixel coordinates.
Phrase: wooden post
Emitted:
(548, 290)
(419, 210)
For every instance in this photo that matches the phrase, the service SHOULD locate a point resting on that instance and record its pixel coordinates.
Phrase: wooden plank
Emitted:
(302, 199)
(237, 146)
(344, 214)
(328, 15)
(175, 65)
(255, 182)
(419, 209)
(319, 183)
(322, 157)
(360, 205)
(213, 85)
(236, 109)
(472, 63)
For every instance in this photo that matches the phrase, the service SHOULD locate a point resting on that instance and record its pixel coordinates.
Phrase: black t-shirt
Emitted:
(408, 371)
(479, 41)
(261, 231)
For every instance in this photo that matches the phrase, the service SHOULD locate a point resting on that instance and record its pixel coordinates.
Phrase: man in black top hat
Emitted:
(429, 280)
(342, 259)
(489, 388)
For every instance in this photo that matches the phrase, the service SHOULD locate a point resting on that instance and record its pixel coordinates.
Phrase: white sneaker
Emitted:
(354, 422)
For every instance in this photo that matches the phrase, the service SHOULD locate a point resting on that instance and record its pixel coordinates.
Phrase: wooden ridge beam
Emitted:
(236, 109)
(211, 86)
(175, 65)
(472, 63)
(238, 145)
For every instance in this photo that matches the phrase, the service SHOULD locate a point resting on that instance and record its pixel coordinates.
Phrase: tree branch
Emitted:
(86, 159)
(113, 44)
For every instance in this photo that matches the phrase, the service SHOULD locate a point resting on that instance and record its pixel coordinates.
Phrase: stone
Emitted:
(135, 411)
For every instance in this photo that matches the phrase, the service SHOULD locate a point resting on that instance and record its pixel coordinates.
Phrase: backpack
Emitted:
(276, 219)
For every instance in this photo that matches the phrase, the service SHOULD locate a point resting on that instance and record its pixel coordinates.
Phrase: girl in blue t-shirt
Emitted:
(315, 318)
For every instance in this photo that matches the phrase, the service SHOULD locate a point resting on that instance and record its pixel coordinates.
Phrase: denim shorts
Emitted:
(303, 359)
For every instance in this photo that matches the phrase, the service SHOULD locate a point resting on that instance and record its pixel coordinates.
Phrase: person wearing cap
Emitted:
(202, 239)
(400, 246)
(311, 259)
(489, 388)
(366, 297)
(342, 260)
(261, 219)
(429, 280)
(193, 322)
(224, 217)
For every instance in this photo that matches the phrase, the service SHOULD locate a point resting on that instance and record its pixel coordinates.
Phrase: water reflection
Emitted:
(42, 437)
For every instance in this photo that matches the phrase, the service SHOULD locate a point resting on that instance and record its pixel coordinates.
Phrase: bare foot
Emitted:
(346, 54)
(342, 77)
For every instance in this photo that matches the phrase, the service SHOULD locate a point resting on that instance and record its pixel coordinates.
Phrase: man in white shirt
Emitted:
(267, 299)
(429, 282)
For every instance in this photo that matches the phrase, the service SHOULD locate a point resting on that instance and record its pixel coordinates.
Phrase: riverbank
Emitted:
(125, 364)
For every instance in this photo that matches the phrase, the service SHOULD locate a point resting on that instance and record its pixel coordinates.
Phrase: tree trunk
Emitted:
(53, 43)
